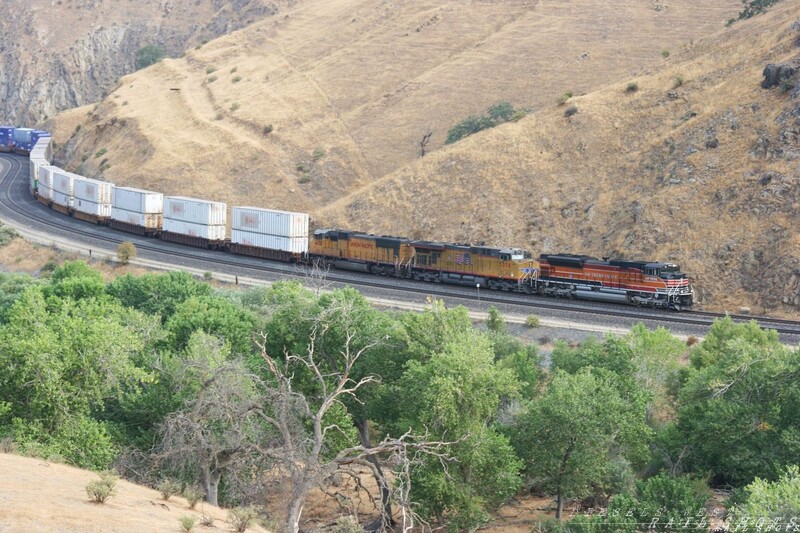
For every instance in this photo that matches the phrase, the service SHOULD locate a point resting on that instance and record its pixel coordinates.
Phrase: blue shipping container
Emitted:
(6, 136)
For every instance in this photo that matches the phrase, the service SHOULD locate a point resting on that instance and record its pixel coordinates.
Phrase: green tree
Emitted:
(572, 434)
(216, 316)
(501, 112)
(149, 55)
(739, 410)
(12, 285)
(157, 294)
(63, 360)
(776, 503)
(495, 321)
(457, 393)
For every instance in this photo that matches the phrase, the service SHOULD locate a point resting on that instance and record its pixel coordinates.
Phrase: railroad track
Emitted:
(13, 185)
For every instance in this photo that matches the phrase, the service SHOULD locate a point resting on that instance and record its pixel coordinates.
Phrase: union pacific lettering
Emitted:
(362, 244)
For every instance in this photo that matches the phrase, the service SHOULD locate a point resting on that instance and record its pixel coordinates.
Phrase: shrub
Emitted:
(632, 87)
(499, 113)
(102, 489)
(571, 110)
(193, 495)
(267, 129)
(206, 520)
(100, 153)
(302, 167)
(305, 178)
(234, 69)
(678, 82)
(234, 107)
(318, 154)
(495, 321)
(665, 53)
(168, 488)
(218, 116)
(125, 252)
(347, 524)
(236, 79)
(532, 321)
(187, 522)
(208, 276)
(691, 340)
(212, 79)
(564, 97)
(149, 55)
(7, 234)
(240, 518)
(211, 70)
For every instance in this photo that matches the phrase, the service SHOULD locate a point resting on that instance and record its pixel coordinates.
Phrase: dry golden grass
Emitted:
(364, 82)
(41, 496)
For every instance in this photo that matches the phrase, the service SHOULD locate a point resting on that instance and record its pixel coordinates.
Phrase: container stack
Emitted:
(195, 217)
(63, 187)
(45, 182)
(92, 197)
(268, 228)
(137, 207)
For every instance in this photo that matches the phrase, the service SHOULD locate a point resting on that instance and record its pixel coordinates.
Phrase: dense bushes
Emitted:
(98, 373)
(497, 114)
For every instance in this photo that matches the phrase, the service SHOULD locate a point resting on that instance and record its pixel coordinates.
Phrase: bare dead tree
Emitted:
(423, 144)
(290, 412)
(317, 277)
(217, 432)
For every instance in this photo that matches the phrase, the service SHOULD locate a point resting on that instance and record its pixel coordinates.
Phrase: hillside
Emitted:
(45, 69)
(361, 83)
(37, 495)
(322, 109)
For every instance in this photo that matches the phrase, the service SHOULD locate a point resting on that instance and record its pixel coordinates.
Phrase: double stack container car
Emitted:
(63, 189)
(194, 222)
(269, 233)
(25, 139)
(92, 200)
(136, 210)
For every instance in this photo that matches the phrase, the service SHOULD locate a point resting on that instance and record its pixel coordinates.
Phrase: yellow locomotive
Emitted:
(508, 269)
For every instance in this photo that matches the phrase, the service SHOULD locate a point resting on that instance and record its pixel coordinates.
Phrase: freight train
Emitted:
(284, 236)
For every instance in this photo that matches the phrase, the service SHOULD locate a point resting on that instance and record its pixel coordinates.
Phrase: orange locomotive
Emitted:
(634, 282)
(506, 269)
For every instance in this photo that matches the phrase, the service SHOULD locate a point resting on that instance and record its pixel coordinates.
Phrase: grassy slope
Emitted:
(364, 82)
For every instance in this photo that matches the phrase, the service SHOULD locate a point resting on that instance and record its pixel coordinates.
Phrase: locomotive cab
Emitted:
(664, 271)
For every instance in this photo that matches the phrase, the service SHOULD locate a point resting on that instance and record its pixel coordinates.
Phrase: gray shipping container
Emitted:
(137, 200)
(145, 220)
(212, 233)
(93, 190)
(270, 221)
(195, 210)
(297, 245)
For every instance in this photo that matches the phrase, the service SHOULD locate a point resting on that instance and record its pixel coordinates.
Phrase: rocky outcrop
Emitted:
(775, 74)
(41, 75)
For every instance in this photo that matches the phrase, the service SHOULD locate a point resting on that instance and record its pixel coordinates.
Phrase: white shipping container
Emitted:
(62, 199)
(45, 191)
(91, 208)
(195, 210)
(272, 242)
(63, 182)
(46, 176)
(270, 221)
(212, 233)
(146, 220)
(137, 200)
(93, 190)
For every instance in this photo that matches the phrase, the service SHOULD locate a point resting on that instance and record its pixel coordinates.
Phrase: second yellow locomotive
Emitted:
(508, 269)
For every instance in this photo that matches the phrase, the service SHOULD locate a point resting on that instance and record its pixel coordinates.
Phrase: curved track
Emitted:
(16, 204)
